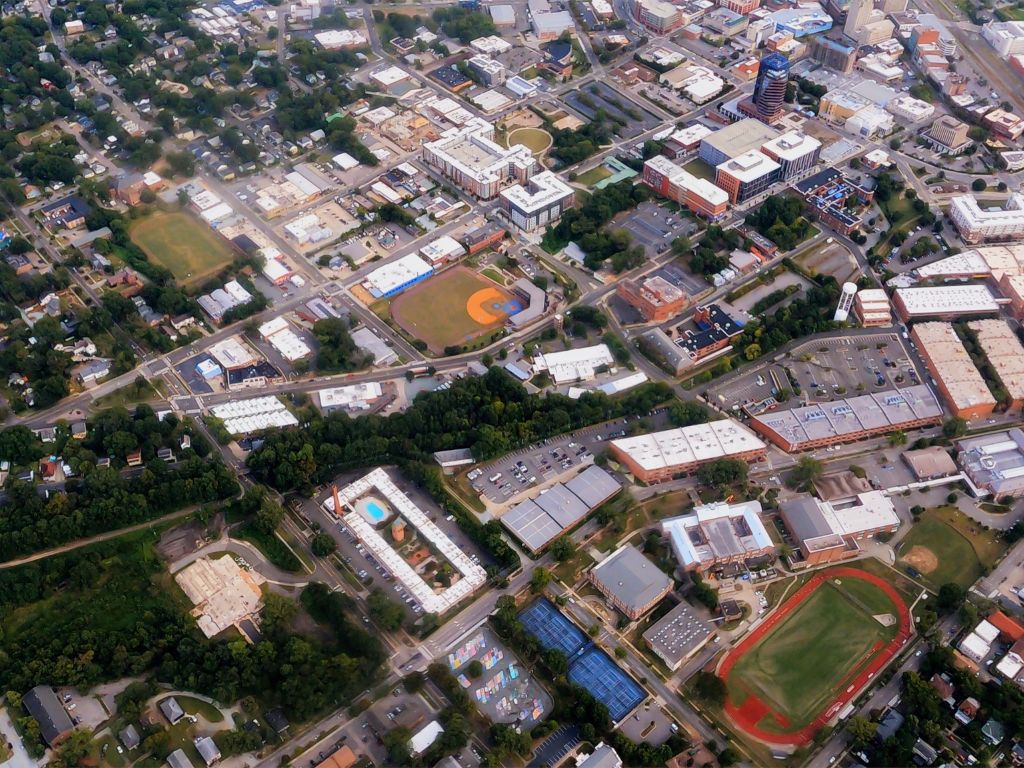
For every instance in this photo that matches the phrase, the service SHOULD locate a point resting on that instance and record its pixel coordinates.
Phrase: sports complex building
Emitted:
(630, 582)
(539, 521)
(720, 537)
(589, 667)
(994, 463)
(660, 456)
(366, 501)
(829, 530)
(845, 421)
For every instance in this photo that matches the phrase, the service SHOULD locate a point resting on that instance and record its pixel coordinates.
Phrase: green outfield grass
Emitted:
(947, 546)
(182, 243)
(800, 665)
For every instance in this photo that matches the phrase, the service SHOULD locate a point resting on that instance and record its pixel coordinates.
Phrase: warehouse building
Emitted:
(988, 261)
(961, 385)
(539, 521)
(537, 203)
(845, 421)
(944, 302)
(1005, 354)
(678, 635)
(630, 582)
(829, 530)
(571, 365)
(929, 463)
(720, 537)
(660, 456)
(994, 463)
(396, 276)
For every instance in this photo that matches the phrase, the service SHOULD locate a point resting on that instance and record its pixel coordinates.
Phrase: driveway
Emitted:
(20, 757)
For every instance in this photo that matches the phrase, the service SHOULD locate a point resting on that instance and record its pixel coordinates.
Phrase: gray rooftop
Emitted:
(208, 750)
(839, 418)
(178, 759)
(740, 137)
(562, 504)
(594, 486)
(631, 578)
(602, 757)
(995, 461)
(807, 524)
(44, 706)
(678, 634)
(172, 709)
(531, 525)
(129, 736)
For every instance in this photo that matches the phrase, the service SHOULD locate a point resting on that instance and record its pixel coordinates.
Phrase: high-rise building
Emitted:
(858, 15)
(770, 88)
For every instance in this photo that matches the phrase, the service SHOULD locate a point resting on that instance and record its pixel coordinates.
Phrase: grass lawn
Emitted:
(108, 756)
(194, 706)
(272, 547)
(130, 394)
(569, 571)
(898, 209)
(947, 546)
(493, 274)
(700, 169)
(798, 667)
(1010, 13)
(181, 243)
(594, 175)
(536, 140)
(452, 308)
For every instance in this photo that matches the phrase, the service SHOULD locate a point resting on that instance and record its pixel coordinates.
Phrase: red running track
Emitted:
(750, 713)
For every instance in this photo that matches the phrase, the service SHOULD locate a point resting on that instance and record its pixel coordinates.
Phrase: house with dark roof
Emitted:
(275, 719)
(54, 722)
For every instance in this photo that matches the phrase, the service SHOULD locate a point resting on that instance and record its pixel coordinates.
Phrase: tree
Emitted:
(323, 544)
(563, 549)
(807, 469)
(979, 185)
(385, 611)
(950, 598)
(337, 352)
(475, 669)
(709, 688)
(540, 579)
(722, 472)
(954, 427)
(898, 437)
(861, 731)
(414, 682)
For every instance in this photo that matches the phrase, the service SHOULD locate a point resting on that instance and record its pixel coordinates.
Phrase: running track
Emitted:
(753, 710)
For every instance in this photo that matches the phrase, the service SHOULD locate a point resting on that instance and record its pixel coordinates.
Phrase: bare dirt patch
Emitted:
(922, 558)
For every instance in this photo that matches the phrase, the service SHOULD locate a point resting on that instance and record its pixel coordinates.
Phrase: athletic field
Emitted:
(805, 661)
(182, 243)
(452, 308)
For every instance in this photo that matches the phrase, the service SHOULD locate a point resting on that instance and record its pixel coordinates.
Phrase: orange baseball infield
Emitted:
(453, 308)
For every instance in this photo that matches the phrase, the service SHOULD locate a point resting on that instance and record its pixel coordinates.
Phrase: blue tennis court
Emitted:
(551, 628)
(596, 672)
(589, 666)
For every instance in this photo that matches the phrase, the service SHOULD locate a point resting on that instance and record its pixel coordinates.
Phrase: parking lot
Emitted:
(825, 369)
(603, 97)
(655, 227)
(648, 724)
(504, 480)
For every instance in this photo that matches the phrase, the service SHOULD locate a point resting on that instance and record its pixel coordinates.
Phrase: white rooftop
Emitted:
(574, 364)
(396, 273)
(749, 166)
(947, 299)
(540, 191)
(685, 445)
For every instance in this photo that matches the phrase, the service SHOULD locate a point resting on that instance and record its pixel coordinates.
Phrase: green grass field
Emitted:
(947, 546)
(797, 668)
(534, 139)
(182, 243)
(594, 175)
(438, 310)
(700, 169)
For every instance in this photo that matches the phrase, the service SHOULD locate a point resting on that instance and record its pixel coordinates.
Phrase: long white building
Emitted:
(976, 224)
(540, 201)
(469, 157)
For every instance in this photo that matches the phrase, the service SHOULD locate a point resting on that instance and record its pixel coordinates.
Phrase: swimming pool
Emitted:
(376, 513)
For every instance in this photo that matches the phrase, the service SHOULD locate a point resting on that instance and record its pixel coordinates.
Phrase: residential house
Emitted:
(46, 709)
(967, 710)
(134, 459)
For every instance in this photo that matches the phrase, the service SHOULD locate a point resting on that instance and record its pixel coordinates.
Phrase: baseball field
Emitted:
(181, 243)
(453, 308)
(804, 662)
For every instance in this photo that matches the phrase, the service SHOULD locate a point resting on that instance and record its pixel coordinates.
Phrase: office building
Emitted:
(660, 456)
(715, 329)
(872, 309)
(720, 537)
(1005, 354)
(826, 531)
(766, 103)
(742, 7)
(630, 582)
(944, 302)
(678, 635)
(747, 176)
(910, 109)
(961, 385)
(948, 135)
(858, 14)
(539, 202)
(1004, 124)
(490, 72)
(804, 20)
(655, 298)
(698, 195)
(994, 463)
(1005, 37)
(469, 157)
(685, 141)
(977, 225)
(795, 152)
(809, 427)
(659, 16)
(722, 21)
(735, 140)
(549, 24)
(833, 54)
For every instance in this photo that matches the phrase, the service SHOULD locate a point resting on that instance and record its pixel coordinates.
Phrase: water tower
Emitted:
(845, 302)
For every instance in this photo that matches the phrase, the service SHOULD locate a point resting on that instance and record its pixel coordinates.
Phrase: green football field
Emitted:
(805, 661)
